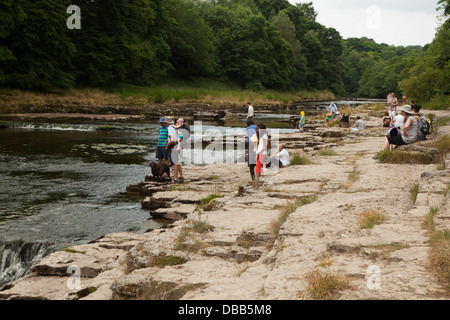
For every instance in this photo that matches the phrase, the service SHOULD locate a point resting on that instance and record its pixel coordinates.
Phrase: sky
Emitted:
(395, 22)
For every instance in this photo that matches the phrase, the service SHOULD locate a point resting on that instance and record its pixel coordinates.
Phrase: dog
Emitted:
(158, 170)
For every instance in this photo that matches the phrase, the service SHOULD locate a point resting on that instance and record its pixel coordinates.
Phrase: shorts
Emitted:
(301, 126)
(259, 163)
(396, 140)
(175, 156)
(162, 153)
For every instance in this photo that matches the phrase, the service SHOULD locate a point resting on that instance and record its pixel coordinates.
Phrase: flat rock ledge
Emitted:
(259, 241)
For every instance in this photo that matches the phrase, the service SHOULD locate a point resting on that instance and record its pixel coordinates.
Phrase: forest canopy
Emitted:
(257, 44)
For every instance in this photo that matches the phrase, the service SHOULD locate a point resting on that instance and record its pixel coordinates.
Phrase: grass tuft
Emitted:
(369, 218)
(325, 285)
(298, 160)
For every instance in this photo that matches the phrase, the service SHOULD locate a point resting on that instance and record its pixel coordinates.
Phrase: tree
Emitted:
(36, 52)
(190, 40)
(121, 41)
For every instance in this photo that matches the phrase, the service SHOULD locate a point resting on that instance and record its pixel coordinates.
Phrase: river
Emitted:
(65, 183)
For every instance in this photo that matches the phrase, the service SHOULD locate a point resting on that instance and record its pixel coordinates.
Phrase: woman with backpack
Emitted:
(408, 134)
(417, 115)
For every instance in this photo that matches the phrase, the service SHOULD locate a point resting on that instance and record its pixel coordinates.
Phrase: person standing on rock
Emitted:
(261, 152)
(161, 151)
(251, 111)
(302, 122)
(174, 153)
(252, 143)
(393, 103)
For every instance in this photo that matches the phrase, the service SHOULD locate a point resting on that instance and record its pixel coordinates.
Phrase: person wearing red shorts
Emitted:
(261, 152)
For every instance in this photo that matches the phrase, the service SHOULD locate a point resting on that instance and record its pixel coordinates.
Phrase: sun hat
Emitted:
(407, 109)
(162, 120)
(169, 120)
(180, 121)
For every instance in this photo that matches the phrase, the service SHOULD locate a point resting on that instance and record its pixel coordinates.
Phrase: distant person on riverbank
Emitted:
(251, 111)
(359, 124)
(404, 100)
(386, 122)
(302, 122)
(408, 134)
(393, 103)
(161, 152)
(261, 152)
(388, 98)
(252, 144)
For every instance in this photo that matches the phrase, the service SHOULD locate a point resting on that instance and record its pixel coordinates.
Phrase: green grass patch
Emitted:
(402, 157)
(327, 153)
(164, 260)
(298, 160)
(413, 192)
(428, 222)
(74, 251)
(212, 91)
(439, 258)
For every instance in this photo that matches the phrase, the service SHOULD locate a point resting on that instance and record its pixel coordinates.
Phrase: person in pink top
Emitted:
(393, 103)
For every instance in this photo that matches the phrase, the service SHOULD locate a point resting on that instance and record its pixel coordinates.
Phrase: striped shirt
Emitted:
(163, 136)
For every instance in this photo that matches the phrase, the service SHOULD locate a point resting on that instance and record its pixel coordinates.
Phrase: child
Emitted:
(179, 125)
(386, 120)
(301, 123)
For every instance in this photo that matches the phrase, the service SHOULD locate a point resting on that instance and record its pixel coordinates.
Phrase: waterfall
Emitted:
(16, 258)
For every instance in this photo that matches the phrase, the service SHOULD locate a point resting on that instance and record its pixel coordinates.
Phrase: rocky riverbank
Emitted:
(230, 238)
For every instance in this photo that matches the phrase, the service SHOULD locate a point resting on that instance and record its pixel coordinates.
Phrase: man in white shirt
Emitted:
(251, 111)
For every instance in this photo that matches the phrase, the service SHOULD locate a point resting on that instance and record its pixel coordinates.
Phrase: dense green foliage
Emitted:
(257, 44)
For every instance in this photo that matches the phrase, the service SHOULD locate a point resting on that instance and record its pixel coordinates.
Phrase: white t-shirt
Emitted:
(262, 144)
(250, 111)
(399, 121)
(284, 157)
(172, 132)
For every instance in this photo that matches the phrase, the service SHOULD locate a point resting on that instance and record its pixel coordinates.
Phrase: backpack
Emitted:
(394, 131)
(425, 124)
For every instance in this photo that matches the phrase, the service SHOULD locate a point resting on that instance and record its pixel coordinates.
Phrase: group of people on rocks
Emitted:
(344, 119)
(404, 126)
(403, 129)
